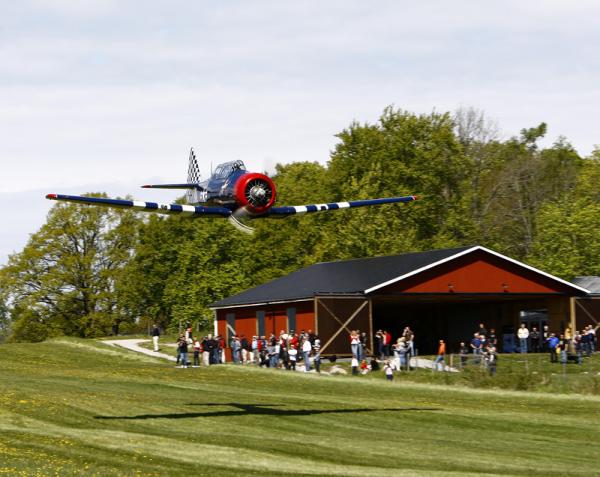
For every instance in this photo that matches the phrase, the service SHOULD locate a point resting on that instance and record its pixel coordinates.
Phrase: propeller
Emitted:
(238, 218)
(255, 194)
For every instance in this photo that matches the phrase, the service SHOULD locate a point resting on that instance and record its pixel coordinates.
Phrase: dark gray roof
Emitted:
(343, 277)
(592, 284)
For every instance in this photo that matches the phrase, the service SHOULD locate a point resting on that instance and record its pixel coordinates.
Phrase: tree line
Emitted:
(92, 271)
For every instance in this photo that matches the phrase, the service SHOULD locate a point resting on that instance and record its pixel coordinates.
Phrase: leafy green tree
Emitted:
(65, 277)
(568, 239)
(403, 153)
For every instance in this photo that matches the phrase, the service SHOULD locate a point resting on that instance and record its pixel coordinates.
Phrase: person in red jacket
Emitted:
(387, 341)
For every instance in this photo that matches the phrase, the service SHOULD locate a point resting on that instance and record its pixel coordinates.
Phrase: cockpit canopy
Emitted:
(223, 171)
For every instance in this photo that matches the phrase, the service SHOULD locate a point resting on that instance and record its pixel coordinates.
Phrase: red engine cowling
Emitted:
(255, 192)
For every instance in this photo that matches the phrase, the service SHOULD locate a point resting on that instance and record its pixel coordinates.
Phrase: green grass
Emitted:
(74, 407)
(531, 372)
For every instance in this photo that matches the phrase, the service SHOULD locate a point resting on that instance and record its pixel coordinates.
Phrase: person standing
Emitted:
(273, 354)
(534, 336)
(306, 349)
(586, 342)
(594, 339)
(293, 355)
(464, 354)
(197, 349)
(491, 358)
(523, 335)
(235, 349)
(388, 343)
(205, 351)
(476, 347)
(561, 349)
(354, 344)
(155, 336)
(363, 345)
(379, 343)
(552, 345)
(213, 350)
(254, 351)
(440, 357)
(354, 363)
(545, 336)
(244, 348)
(409, 339)
(182, 348)
(317, 352)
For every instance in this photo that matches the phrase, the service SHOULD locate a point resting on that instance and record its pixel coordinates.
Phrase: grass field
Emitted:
(73, 407)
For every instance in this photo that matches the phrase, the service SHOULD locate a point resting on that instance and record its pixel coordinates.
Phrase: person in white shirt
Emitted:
(523, 334)
(293, 354)
(306, 349)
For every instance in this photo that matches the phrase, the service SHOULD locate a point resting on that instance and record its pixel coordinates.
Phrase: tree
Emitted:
(568, 239)
(403, 153)
(64, 280)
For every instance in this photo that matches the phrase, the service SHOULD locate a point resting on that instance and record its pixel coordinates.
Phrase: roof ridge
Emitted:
(464, 247)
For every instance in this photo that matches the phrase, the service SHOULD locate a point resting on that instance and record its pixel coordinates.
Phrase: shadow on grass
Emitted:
(262, 409)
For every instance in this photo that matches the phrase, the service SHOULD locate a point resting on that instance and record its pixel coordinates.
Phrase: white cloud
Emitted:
(114, 92)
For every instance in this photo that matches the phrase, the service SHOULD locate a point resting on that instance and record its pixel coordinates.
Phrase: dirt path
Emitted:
(134, 345)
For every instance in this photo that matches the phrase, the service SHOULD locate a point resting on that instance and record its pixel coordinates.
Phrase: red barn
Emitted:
(440, 294)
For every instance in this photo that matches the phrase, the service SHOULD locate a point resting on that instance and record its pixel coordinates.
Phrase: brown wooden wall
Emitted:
(333, 325)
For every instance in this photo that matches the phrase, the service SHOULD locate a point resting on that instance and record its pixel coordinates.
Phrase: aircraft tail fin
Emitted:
(193, 196)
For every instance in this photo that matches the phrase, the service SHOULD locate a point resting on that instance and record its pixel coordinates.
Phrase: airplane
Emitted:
(230, 192)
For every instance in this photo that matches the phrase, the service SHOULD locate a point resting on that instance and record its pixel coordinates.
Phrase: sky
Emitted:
(106, 95)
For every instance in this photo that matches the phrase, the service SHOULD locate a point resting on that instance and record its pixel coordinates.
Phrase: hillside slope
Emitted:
(75, 407)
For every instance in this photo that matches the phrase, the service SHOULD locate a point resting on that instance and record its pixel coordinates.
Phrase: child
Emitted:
(354, 366)
(364, 367)
(388, 369)
(293, 354)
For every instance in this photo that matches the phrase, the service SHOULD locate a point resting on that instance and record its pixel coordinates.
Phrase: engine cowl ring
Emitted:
(255, 192)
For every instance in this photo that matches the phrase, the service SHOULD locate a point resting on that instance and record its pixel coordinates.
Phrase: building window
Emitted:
(291, 319)
(260, 322)
(230, 319)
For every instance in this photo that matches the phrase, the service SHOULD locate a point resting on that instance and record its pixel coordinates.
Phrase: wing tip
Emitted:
(52, 196)
(147, 186)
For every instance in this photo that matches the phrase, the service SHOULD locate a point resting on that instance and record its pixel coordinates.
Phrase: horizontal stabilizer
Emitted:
(173, 186)
(302, 209)
(170, 209)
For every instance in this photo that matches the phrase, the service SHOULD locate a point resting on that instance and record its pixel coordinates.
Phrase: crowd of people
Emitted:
(288, 349)
(559, 346)
(283, 351)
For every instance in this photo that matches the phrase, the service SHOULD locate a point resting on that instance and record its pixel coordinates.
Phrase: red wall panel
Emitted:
(478, 272)
(275, 318)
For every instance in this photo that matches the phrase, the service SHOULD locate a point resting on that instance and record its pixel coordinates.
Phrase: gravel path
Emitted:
(134, 345)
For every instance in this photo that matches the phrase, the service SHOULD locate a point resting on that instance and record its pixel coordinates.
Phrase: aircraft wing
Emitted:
(302, 209)
(198, 187)
(169, 209)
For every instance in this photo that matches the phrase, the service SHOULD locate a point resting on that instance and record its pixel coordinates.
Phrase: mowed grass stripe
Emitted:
(122, 416)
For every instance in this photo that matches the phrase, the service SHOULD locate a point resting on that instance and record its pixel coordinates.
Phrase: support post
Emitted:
(572, 315)
(371, 342)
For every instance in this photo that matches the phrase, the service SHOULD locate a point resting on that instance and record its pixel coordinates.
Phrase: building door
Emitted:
(534, 319)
